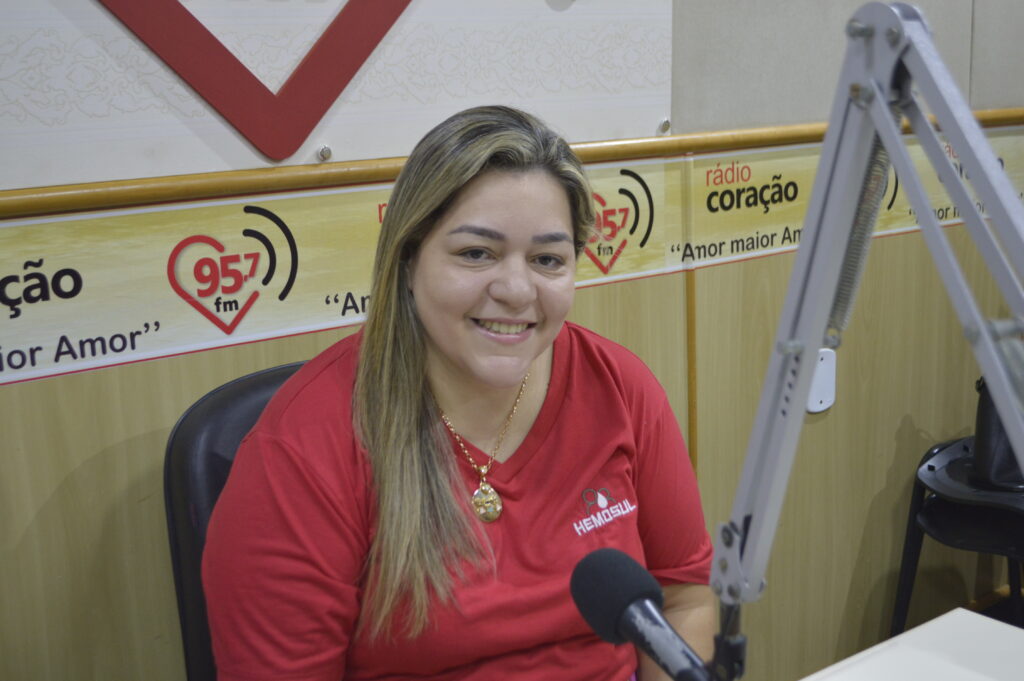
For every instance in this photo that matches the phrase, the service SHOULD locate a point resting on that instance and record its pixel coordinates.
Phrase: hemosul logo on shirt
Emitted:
(601, 508)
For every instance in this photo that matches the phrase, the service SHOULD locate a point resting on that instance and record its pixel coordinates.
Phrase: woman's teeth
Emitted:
(500, 327)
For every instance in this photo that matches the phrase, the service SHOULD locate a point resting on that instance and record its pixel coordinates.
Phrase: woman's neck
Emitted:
(479, 412)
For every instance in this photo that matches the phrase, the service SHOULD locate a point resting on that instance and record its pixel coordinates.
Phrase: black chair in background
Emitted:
(968, 494)
(200, 451)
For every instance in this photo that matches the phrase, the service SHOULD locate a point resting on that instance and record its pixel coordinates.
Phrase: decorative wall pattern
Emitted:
(82, 100)
(55, 79)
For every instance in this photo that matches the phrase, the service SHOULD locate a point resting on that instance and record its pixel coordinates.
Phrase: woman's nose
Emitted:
(513, 284)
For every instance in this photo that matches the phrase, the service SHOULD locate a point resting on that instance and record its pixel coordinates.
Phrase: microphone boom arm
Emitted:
(889, 56)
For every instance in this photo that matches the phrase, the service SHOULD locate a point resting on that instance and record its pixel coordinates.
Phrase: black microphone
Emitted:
(621, 602)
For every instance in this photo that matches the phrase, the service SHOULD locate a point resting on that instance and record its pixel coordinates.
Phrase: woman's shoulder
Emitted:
(600, 366)
(318, 395)
(307, 425)
(590, 346)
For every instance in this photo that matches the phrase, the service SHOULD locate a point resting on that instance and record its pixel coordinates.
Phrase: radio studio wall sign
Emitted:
(84, 291)
(222, 285)
(80, 292)
(275, 123)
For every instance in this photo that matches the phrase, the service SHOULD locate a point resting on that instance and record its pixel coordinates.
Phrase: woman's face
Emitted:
(494, 280)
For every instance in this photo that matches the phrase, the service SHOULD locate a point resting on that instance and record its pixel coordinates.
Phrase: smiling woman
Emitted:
(347, 542)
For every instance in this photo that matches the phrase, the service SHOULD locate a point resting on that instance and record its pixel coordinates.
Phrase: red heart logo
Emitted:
(607, 229)
(605, 269)
(172, 276)
(276, 124)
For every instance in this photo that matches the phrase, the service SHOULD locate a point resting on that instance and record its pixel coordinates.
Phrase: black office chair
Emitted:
(200, 451)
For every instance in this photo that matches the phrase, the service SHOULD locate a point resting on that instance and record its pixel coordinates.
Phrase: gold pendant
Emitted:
(486, 503)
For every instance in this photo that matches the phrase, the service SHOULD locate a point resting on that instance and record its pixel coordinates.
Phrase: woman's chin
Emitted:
(506, 377)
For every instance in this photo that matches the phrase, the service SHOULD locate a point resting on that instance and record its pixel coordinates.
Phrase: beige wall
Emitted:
(87, 591)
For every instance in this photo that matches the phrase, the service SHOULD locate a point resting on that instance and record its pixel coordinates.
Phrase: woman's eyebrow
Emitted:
(551, 238)
(487, 233)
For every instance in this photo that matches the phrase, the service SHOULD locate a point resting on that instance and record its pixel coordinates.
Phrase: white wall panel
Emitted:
(752, 63)
(82, 100)
(997, 54)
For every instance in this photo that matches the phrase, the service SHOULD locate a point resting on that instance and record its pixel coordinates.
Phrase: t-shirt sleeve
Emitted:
(676, 544)
(282, 567)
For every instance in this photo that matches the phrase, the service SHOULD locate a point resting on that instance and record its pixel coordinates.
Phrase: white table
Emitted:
(958, 646)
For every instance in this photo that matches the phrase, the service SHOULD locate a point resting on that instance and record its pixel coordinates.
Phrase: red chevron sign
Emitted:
(276, 124)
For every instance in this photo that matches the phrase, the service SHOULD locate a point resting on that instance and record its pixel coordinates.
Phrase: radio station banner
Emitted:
(88, 291)
(747, 204)
(752, 203)
(92, 290)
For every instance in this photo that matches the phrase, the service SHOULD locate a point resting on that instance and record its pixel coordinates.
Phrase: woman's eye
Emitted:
(549, 261)
(474, 254)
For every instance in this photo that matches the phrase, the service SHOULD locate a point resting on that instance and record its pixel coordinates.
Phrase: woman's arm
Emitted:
(691, 609)
(281, 566)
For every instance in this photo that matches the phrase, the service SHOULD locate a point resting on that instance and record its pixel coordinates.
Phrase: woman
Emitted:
(412, 502)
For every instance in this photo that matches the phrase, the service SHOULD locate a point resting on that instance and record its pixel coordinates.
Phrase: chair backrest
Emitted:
(200, 451)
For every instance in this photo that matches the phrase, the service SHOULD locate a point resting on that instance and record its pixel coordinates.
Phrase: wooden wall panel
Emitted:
(87, 590)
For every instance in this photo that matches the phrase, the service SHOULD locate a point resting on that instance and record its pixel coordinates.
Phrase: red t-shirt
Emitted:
(603, 465)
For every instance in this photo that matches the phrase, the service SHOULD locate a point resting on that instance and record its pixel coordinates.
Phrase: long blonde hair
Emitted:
(424, 530)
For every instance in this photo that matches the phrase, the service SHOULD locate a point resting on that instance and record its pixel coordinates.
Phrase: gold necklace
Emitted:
(486, 501)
